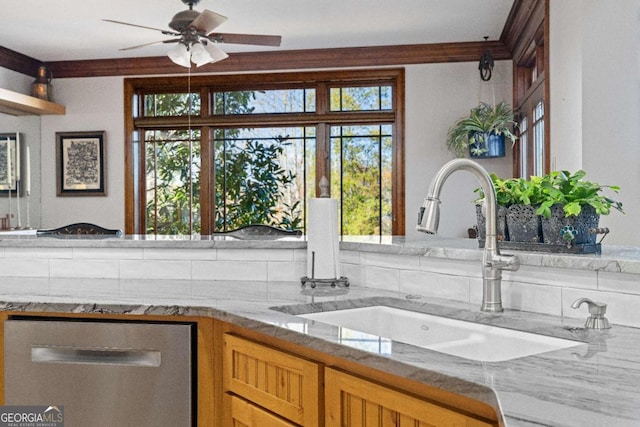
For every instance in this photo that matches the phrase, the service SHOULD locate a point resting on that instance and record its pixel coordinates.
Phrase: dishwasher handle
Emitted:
(96, 356)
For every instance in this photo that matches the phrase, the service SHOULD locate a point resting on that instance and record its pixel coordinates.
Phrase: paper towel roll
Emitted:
(323, 245)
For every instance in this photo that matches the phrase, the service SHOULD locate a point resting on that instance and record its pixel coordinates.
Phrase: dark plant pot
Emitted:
(503, 232)
(577, 227)
(523, 224)
(493, 146)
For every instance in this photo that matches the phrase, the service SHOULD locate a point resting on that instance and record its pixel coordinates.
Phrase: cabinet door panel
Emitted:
(245, 414)
(282, 383)
(353, 402)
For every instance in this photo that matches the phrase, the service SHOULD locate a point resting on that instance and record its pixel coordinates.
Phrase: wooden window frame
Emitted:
(322, 118)
(526, 35)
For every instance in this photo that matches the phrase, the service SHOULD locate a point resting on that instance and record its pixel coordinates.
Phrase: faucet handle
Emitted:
(597, 310)
(504, 262)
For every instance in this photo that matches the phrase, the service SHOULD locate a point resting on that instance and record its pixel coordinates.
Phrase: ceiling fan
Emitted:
(194, 39)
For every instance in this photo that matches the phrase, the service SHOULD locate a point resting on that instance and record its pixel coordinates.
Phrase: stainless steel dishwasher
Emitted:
(103, 373)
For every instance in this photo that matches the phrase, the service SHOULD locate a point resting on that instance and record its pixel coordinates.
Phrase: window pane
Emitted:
(386, 179)
(523, 146)
(260, 176)
(369, 98)
(309, 170)
(265, 102)
(171, 104)
(538, 139)
(361, 178)
(172, 182)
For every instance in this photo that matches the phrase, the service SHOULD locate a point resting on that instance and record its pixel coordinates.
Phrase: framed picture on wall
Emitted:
(81, 164)
(9, 163)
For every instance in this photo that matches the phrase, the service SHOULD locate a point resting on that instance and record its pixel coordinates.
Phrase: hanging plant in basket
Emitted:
(482, 134)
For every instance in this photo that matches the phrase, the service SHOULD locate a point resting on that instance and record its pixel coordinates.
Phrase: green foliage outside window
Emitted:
(361, 176)
(173, 183)
(250, 178)
(251, 184)
(266, 176)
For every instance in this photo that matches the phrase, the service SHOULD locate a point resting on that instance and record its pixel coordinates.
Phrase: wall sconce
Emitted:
(486, 63)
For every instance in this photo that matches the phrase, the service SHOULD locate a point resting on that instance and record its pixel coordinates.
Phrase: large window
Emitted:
(212, 153)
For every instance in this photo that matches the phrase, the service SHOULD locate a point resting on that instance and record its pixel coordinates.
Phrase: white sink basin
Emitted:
(451, 336)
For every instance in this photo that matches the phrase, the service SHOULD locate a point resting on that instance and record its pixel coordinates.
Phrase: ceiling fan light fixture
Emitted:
(199, 55)
(216, 53)
(192, 32)
(180, 55)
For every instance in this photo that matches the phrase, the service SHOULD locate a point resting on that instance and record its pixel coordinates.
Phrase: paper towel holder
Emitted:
(341, 282)
(330, 284)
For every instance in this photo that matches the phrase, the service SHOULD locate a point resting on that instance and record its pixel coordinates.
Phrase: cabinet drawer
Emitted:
(352, 401)
(284, 384)
(246, 414)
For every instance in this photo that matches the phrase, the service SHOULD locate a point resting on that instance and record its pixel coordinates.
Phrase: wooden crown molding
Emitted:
(18, 62)
(523, 25)
(279, 60)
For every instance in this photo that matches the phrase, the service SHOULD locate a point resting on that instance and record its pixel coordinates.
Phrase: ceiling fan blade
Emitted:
(207, 21)
(255, 39)
(167, 32)
(150, 44)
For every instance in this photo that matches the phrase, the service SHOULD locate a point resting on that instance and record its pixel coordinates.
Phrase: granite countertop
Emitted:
(617, 259)
(594, 383)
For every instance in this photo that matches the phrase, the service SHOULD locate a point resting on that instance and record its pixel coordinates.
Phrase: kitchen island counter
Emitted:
(594, 383)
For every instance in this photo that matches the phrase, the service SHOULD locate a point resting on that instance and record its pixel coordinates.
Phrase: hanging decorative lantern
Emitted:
(41, 87)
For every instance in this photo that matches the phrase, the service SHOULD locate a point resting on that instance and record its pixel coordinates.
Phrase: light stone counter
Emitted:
(594, 384)
(615, 259)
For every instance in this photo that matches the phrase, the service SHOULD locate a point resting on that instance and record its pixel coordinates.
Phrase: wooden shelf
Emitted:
(17, 104)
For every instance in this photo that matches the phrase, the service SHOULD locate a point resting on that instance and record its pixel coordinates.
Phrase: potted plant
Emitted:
(483, 132)
(517, 201)
(571, 206)
(559, 208)
(523, 219)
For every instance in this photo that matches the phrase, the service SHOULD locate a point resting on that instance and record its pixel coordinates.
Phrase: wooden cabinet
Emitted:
(244, 383)
(269, 380)
(246, 414)
(354, 402)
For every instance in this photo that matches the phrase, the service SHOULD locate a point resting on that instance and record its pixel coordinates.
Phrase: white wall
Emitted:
(566, 85)
(436, 96)
(29, 129)
(92, 104)
(15, 81)
(595, 100)
(25, 211)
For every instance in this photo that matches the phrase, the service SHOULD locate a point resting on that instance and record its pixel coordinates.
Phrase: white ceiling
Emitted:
(74, 30)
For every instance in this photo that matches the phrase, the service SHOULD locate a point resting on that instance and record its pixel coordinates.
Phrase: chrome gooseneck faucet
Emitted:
(492, 262)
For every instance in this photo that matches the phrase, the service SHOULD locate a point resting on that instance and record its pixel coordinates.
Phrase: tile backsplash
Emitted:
(540, 289)
(550, 290)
